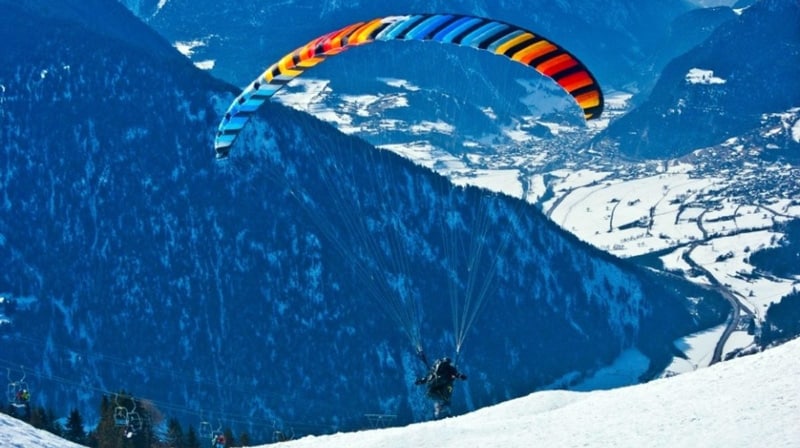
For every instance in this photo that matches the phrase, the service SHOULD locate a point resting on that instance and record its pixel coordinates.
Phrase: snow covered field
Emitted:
(695, 209)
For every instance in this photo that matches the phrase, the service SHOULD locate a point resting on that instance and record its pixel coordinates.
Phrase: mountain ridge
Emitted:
(744, 60)
(148, 262)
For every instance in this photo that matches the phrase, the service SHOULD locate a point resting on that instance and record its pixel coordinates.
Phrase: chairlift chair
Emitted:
(14, 388)
(135, 421)
(204, 430)
(121, 416)
(127, 417)
(216, 433)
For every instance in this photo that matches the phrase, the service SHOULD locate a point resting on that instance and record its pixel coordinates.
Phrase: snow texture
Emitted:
(700, 76)
(750, 401)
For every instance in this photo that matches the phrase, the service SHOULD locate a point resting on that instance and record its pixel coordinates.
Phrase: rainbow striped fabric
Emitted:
(518, 44)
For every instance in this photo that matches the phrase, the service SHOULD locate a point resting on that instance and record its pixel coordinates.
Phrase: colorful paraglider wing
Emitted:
(500, 38)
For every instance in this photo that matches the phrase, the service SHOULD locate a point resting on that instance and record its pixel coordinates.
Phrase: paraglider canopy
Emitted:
(500, 38)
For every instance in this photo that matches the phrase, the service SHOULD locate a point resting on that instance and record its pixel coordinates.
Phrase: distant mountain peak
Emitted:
(748, 67)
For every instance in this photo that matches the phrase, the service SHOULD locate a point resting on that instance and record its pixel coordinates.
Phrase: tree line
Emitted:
(782, 320)
(125, 422)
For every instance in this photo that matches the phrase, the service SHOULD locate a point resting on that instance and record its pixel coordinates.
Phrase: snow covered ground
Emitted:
(188, 49)
(749, 401)
(18, 434)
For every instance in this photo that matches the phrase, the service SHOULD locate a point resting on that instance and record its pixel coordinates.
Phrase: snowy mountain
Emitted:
(721, 89)
(700, 215)
(245, 37)
(725, 77)
(748, 402)
(255, 290)
(106, 19)
(684, 33)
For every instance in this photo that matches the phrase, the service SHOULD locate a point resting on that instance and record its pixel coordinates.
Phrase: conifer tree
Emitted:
(192, 440)
(33, 415)
(175, 433)
(41, 418)
(117, 415)
(74, 430)
(229, 440)
(107, 434)
(151, 417)
(782, 320)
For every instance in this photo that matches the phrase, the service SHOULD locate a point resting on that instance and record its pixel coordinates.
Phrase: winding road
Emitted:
(736, 306)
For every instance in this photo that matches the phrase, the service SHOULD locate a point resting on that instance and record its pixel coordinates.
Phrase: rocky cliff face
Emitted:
(287, 286)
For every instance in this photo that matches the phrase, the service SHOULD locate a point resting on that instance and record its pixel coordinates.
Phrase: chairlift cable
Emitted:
(351, 215)
(241, 419)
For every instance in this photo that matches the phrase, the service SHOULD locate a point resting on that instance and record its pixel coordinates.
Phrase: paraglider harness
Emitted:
(440, 380)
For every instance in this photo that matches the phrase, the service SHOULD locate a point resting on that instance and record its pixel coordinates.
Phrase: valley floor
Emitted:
(699, 216)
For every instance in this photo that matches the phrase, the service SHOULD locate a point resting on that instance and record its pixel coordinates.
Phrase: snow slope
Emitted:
(17, 434)
(750, 401)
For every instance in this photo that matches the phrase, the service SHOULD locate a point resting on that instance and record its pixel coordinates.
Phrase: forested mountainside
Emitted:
(726, 87)
(290, 283)
(244, 37)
